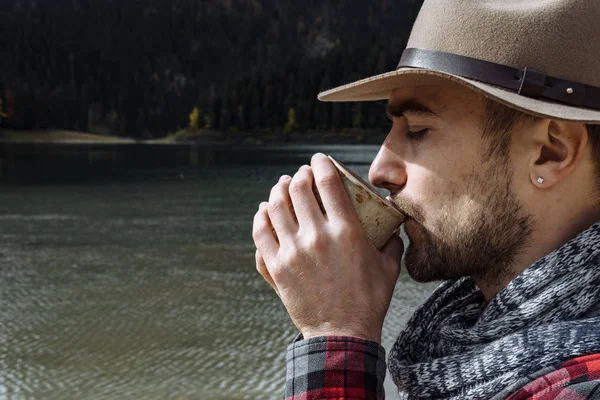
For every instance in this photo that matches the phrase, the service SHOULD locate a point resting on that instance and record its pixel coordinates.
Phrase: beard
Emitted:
(478, 237)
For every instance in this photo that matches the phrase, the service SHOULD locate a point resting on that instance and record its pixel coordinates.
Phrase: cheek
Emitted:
(445, 202)
(425, 187)
(459, 215)
(428, 187)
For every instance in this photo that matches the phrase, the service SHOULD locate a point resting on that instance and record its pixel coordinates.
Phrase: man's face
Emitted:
(464, 217)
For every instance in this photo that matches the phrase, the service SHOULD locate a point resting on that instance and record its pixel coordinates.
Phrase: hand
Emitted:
(330, 278)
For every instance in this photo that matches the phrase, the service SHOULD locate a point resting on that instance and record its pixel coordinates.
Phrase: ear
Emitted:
(560, 150)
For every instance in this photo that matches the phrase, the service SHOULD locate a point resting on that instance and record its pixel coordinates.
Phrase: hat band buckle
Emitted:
(526, 82)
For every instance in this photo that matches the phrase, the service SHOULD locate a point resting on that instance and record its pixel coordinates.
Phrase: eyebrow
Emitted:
(409, 107)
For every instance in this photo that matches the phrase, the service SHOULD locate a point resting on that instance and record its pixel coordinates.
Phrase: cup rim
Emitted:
(356, 179)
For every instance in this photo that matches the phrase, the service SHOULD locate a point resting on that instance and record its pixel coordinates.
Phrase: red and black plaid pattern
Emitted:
(577, 379)
(335, 367)
(348, 368)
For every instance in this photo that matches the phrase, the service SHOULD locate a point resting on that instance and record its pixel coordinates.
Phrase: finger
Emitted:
(303, 198)
(394, 249)
(279, 209)
(333, 195)
(262, 269)
(262, 233)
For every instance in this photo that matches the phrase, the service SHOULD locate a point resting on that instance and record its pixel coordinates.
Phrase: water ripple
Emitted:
(145, 291)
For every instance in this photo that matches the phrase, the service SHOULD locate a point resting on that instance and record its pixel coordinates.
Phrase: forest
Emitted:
(147, 68)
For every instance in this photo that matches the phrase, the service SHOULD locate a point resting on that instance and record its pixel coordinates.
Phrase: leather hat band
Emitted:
(526, 82)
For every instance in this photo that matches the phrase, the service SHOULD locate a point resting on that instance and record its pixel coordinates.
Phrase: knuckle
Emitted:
(276, 193)
(328, 180)
(345, 233)
(277, 271)
(300, 184)
(291, 256)
(275, 206)
(259, 216)
(313, 242)
(256, 229)
(338, 234)
(262, 269)
(257, 234)
(259, 230)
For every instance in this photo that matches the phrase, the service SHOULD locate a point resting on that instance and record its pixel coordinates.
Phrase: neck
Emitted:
(549, 235)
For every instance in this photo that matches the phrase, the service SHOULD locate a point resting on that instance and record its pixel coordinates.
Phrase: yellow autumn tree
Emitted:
(291, 124)
(195, 118)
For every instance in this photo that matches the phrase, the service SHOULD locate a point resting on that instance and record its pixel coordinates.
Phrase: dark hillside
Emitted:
(139, 67)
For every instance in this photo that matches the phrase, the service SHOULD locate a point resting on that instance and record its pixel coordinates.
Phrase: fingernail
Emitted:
(303, 167)
(263, 205)
(285, 178)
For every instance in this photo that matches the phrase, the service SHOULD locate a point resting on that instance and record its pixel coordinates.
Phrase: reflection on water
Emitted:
(145, 289)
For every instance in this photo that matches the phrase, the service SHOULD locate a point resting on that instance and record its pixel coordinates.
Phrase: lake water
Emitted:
(144, 287)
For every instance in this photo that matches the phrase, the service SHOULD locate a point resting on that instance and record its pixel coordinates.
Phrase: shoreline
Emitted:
(54, 155)
(47, 161)
(194, 139)
(58, 136)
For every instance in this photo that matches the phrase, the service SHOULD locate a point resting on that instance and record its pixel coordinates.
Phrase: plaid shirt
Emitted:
(344, 368)
(577, 379)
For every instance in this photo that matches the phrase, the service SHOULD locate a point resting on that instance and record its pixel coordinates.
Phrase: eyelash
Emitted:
(416, 135)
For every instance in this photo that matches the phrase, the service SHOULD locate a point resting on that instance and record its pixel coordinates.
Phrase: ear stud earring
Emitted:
(540, 180)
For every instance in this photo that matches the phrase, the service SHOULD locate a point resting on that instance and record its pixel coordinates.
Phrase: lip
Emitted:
(389, 198)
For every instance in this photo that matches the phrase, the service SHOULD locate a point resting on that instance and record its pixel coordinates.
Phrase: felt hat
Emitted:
(538, 56)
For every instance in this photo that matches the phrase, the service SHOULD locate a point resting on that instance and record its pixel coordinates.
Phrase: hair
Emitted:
(499, 120)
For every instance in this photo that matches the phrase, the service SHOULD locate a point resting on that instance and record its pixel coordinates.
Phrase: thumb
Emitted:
(394, 249)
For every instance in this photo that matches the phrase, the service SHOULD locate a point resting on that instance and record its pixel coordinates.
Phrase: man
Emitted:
(494, 156)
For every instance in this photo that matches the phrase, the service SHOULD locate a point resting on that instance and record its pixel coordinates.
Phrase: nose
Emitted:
(388, 170)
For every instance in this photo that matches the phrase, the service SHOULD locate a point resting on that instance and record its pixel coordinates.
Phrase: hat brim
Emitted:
(379, 87)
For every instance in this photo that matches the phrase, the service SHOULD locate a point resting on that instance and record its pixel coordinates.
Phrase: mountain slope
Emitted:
(141, 66)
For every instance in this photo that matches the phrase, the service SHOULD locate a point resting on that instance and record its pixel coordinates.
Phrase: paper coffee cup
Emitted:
(377, 215)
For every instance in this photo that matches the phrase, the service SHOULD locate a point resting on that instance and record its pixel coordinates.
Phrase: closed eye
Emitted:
(416, 136)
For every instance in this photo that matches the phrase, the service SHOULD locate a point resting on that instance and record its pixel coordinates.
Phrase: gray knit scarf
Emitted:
(455, 348)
